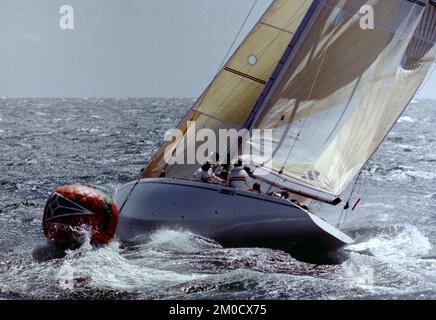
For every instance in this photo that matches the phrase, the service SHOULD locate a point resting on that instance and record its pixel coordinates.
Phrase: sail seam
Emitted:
(277, 28)
(245, 75)
(216, 119)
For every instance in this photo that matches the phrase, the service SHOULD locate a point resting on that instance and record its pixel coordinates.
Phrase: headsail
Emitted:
(343, 89)
(229, 99)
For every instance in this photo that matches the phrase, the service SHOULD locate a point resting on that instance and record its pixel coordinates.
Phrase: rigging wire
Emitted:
(237, 36)
(347, 205)
(362, 194)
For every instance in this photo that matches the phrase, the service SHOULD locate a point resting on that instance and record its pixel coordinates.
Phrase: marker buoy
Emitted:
(73, 208)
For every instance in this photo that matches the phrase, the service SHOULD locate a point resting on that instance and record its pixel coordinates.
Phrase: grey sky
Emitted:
(119, 48)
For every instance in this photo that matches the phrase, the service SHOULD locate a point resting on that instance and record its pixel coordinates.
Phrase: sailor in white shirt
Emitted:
(238, 177)
(205, 174)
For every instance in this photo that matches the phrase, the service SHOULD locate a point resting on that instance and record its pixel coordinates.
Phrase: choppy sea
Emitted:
(46, 143)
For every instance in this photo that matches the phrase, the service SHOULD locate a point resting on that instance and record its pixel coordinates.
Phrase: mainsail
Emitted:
(343, 89)
(229, 99)
(329, 89)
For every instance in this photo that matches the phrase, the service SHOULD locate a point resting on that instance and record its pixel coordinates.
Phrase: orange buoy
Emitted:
(72, 209)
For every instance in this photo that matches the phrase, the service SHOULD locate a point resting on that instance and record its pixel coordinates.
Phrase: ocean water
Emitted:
(46, 143)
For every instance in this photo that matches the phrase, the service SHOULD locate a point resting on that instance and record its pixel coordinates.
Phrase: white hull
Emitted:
(232, 217)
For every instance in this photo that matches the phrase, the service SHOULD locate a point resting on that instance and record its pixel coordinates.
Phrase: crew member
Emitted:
(216, 165)
(205, 174)
(256, 188)
(238, 177)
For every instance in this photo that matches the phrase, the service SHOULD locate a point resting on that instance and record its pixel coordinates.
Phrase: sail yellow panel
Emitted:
(229, 99)
(345, 88)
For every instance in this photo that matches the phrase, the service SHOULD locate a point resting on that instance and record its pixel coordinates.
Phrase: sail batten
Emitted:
(276, 27)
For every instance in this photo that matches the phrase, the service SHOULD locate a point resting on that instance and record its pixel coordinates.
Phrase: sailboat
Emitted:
(330, 90)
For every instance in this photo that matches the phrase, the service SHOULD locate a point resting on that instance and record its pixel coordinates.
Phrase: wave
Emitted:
(110, 268)
(180, 264)
(406, 119)
(400, 263)
(396, 241)
(399, 173)
(176, 240)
